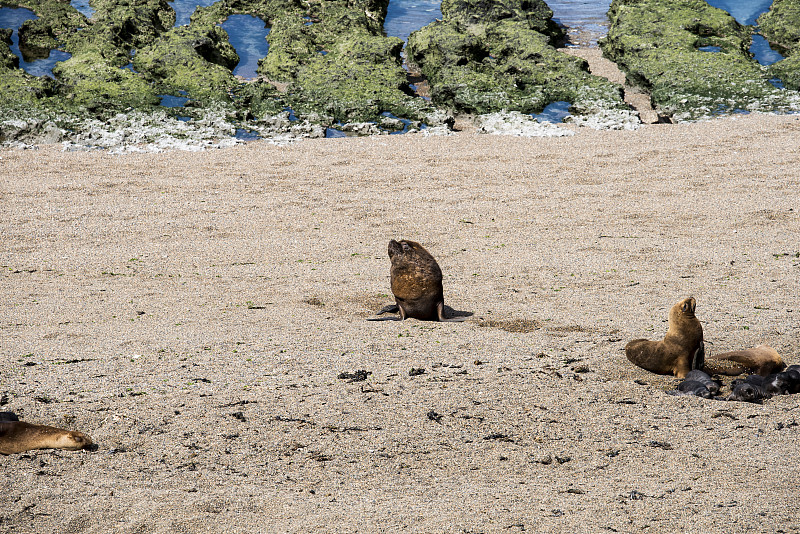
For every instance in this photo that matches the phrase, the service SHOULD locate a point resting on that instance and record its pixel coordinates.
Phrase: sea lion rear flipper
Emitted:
(442, 318)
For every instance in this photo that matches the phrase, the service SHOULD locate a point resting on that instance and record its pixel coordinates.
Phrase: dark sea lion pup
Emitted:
(416, 284)
(19, 436)
(679, 352)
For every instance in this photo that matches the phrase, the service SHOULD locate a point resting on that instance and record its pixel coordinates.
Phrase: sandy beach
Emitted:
(192, 313)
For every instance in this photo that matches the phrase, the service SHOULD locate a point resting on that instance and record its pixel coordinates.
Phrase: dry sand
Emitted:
(192, 311)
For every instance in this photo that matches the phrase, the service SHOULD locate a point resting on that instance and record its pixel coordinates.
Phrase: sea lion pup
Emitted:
(691, 387)
(679, 352)
(747, 392)
(19, 436)
(702, 377)
(416, 281)
(762, 360)
(785, 383)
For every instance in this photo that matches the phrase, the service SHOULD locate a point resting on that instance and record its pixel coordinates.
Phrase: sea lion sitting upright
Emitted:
(416, 281)
(762, 360)
(19, 436)
(679, 352)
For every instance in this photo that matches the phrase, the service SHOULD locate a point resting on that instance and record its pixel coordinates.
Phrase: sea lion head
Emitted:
(71, 440)
(684, 308)
(684, 324)
(405, 250)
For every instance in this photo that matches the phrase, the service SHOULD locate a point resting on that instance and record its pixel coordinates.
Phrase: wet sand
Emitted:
(192, 312)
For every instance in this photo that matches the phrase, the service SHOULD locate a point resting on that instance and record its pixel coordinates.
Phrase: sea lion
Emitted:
(19, 436)
(747, 392)
(679, 352)
(693, 388)
(416, 282)
(702, 377)
(762, 360)
(8, 416)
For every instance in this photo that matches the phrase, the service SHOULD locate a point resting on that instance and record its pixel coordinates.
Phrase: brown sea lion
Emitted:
(19, 436)
(762, 360)
(679, 352)
(416, 281)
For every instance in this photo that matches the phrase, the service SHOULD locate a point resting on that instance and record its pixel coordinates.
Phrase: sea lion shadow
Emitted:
(450, 313)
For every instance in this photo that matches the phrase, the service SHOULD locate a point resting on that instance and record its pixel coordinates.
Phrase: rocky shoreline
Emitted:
(330, 65)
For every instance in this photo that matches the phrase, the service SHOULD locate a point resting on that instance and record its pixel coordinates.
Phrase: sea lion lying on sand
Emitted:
(700, 376)
(762, 360)
(679, 352)
(19, 436)
(691, 388)
(747, 392)
(416, 281)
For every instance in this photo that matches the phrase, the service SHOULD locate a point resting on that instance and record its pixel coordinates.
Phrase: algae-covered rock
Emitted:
(356, 81)
(488, 56)
(781, 26)
(196, 59)
(657, 44)
(86, 81)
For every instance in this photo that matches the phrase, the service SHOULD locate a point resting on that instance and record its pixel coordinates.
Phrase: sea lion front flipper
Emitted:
(442, 318)
(699, 358)
(389, 308)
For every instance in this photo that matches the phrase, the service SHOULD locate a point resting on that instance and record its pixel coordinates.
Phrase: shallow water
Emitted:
(586, 20)
(406, 16)
(247, 34)
(12, 18)
(185, 8)
(744, 11)
(84, 7)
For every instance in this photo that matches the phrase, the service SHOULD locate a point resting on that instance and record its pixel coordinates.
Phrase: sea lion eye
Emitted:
(406, 248)
(685, 306)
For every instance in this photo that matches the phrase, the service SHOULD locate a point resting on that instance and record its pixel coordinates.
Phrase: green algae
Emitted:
(487, 56)
(197, 59)
(656, 43)
(781, 26)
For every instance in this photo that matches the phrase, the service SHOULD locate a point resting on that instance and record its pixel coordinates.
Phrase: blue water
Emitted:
(554, 112)
(185, 8)
(710, 48)
(84, 7)
(406, 16)
(744, 11)
(586, 20)
(247, 34)
(170, 101)
(762, 51)
(12, 18)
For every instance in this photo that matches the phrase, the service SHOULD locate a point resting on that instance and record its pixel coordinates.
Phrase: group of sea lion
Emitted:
(19, 436)
(754, 388)
(682, 353)
(416, 282)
